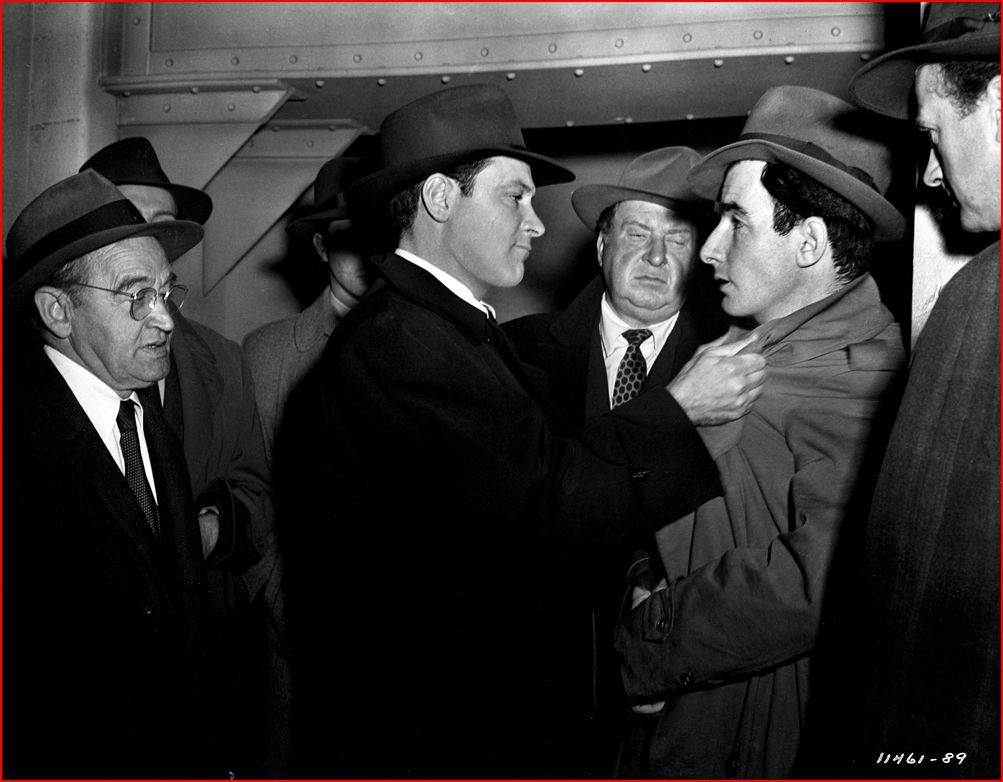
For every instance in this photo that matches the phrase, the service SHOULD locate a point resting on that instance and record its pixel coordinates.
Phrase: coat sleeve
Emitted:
(758, 605)
(457, 436)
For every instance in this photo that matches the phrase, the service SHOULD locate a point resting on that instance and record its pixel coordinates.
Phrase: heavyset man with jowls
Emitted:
(462, 509)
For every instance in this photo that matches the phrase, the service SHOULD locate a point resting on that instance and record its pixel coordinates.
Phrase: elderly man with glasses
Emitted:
(104, 578)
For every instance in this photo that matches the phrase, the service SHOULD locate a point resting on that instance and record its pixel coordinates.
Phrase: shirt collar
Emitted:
(452, 284)
(612, 326)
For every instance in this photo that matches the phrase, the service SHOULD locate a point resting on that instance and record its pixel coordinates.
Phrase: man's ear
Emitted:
(55, 310)
(993, 90)
(600, 246)
(813, 238)
(319, 246)
(437, 195)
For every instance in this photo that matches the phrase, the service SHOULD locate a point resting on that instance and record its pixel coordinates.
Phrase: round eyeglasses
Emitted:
(144, 299)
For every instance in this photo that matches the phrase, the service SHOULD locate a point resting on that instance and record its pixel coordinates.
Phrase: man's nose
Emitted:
(933, 176)
(711, 252)
(533, 225)
(655, 254)
(160, 316)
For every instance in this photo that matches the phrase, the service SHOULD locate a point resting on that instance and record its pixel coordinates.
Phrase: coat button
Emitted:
(147, 611)
(640, 475)
(686, 679)
(661, 624)
(732, 767)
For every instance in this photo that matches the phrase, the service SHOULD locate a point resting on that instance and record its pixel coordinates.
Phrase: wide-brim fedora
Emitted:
(658, 177)
(133, 161)
(821, 136)
(952, 32)
(73, 217)
(329, 188)
(445, 129)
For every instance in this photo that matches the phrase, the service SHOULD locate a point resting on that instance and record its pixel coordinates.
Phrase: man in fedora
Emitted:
(716, 644)
(104, 580)
(921, 674)
(208, 400)
(280, 354)
(453, 509)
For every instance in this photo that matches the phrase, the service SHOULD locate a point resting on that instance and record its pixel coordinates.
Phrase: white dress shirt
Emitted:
(101, 404)
(454, 285)
(611, 328)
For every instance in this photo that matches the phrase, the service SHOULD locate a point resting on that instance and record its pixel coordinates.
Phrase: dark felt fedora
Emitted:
(329, 188)
(79, 214)
(658, 177)
(821, 136)
(953, 31)
(445, 129)
(133, 161)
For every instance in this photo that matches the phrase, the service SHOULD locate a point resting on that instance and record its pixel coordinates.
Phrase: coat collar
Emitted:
(853, 314)
(421, 287)
(316, 323)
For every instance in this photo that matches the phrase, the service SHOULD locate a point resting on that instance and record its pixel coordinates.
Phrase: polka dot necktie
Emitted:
(633, 369)
(135, 475)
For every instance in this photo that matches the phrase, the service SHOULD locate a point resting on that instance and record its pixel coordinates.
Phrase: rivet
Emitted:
(169, 62)
(332, 128)
(618, 43)
(319, 83)
(757, 34)
(356, 58)
(418, 56)
(835, 32)
(618, 119)
(510, 76)
(194, 90)
(485, 52)
(309, 145)
(274, 128)
(718, 63)
(136, 20)
(788, 59)
(628, 120)
(234, 61)
(579, 71)
(127, 93)
(255, 89)
(445, 79)
(689, 116)
(569, 123)
(167, 107)
(293, 59)
(381, 82)
(865, 56)
(231, 106)
(552, 48)
(646, 68)
(687, 37)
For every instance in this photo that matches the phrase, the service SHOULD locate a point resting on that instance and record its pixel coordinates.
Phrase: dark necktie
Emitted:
(135, 475)
(633, 369)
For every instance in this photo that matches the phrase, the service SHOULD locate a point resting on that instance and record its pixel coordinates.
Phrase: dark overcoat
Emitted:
(453, 513)
(103, 654)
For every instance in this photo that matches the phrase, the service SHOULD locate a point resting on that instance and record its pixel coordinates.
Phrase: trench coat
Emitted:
(727, 645)
(104, 627)
(453, 515)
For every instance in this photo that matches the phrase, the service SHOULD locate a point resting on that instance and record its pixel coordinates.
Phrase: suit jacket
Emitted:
(103, 655)
(728, 644)
(280, 354)
(454, 513)
(567, 347)
(922, 674)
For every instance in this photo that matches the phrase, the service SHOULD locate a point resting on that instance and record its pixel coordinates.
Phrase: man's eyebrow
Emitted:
(519, 184)
(144, 280)
(730, 207)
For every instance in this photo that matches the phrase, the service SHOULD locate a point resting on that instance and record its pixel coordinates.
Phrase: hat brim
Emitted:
(885, 85)
(176, 237)
(317, 222)
(193, 205)
(590, 201)
(707, 176)
(381, 186)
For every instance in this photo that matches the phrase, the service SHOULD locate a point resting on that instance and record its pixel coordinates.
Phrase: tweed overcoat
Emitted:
(103, 626)
(453, 513)
(727, 645)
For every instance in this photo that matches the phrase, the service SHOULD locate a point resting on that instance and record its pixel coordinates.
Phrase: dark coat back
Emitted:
(453, 510)
(102, 634)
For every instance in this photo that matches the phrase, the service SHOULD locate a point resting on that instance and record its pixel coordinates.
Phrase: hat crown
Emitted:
(334, 178)
(947, 21)
(448, 122)
(824, 127)
(662, 173)
(129, 161)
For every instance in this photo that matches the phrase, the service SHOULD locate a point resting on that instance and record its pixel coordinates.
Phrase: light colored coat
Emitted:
(727, 644)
